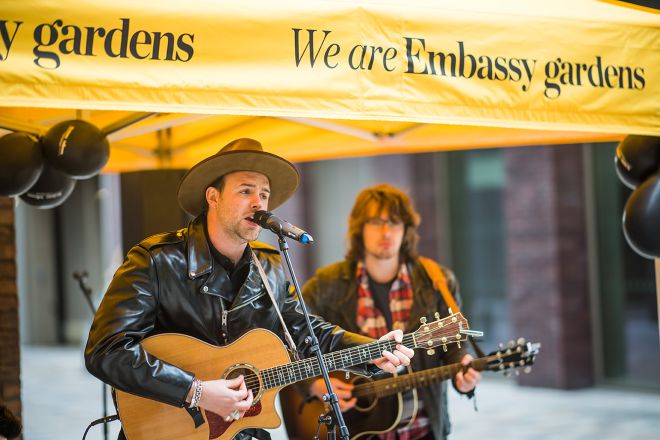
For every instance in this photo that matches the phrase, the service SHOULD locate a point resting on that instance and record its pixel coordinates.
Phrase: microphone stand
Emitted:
(335, 417)
(87, 292)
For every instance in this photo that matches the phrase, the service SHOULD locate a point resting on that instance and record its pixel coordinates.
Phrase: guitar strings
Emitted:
(384, 387)
(299, 370)
(276, 377)
(282, 374)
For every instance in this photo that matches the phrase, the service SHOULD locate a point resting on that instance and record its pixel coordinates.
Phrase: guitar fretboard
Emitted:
(406, 382)
(283, 375)
(441, 332)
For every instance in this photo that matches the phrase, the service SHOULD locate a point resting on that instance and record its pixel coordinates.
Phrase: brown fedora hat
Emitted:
(239, 155)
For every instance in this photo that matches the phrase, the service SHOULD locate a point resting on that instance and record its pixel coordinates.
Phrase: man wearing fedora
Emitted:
(205, 281)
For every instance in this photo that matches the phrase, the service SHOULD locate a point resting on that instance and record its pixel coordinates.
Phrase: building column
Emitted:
(10, 370)
(547, 262)
(430, 192)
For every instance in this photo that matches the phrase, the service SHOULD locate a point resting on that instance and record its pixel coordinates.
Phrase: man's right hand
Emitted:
(343, 390)
(223, 397)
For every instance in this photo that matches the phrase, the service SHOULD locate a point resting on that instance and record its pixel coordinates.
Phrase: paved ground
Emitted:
(60, 399)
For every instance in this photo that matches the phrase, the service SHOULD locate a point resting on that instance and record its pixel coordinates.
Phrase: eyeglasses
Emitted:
(379, 222)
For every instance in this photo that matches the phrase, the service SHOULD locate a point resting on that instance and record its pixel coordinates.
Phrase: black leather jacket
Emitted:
(170, 282)
(332, 293)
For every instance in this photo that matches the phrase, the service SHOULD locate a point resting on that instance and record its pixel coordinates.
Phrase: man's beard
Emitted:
(383, 255)
(247, 234)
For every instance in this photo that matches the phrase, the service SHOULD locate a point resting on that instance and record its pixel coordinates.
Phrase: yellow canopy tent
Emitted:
(172, 81)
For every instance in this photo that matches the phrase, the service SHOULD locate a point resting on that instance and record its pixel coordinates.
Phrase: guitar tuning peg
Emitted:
(517, 372)
(527, 370)
(500, 346)
(444, 348)
(430, 352)
(422, 319)
(511, 344)
(458, 344)
(521, 341)
(450, 311)
(521, 363)
(437, 315)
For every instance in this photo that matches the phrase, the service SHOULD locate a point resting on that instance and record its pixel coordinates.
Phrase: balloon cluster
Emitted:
(43, 171)
(637, 163)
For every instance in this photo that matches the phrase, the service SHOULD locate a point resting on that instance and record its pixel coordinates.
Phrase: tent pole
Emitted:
(125, 122)
(13, 125)
(657, 287)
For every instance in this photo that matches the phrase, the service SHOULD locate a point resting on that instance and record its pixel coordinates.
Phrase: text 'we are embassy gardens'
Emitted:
(317, 48)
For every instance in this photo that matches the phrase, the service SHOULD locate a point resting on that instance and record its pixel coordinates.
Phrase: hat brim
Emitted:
(282, 175)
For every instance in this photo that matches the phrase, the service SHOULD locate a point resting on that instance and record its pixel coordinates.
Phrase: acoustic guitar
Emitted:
(389, 403)
(263, 360)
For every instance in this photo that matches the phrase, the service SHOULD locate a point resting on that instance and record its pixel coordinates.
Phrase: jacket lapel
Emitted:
(252, 286)
(200, 260)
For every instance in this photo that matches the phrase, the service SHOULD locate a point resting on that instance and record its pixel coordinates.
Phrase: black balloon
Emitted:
(76, 147)
(21, 163)
(641, 218)
(637, 157)
(51, 190)
(624, 175)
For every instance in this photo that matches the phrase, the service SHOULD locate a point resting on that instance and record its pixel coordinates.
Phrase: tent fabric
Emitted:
(332, 78)
(170, 140)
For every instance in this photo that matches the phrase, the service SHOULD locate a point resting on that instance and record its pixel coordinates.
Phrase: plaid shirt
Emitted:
(372, 323)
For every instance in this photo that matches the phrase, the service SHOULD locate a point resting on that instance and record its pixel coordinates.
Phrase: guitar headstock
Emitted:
(452, 329)
(514, 355)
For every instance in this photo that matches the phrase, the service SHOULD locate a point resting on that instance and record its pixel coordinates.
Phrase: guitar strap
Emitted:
(439, 282)
(434, 272)
(287, 335)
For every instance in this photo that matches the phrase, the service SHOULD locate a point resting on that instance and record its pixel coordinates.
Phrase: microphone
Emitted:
(267, 220)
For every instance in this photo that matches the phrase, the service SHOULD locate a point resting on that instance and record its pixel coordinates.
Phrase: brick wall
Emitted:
(10, 385)
(547, 262)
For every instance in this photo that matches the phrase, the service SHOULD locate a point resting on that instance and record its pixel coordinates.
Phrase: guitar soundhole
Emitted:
(251, 377)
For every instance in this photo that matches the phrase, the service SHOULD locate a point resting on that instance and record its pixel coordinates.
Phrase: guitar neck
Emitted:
(287, 374)
(398, 384)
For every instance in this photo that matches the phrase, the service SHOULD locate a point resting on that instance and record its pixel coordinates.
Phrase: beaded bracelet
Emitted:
(197, 393)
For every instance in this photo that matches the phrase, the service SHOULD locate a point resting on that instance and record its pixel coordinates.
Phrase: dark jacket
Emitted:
(332, 293)
(170, 283)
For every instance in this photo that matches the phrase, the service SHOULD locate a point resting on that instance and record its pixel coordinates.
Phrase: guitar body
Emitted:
(262, 359)
(147, 419)
(389, 403)
(371, 414)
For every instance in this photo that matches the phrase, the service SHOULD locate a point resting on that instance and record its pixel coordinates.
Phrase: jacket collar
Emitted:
(200, 260)
(347, 270)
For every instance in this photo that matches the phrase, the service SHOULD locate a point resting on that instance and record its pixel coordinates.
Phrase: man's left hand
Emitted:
(465, 382)
(392, 360)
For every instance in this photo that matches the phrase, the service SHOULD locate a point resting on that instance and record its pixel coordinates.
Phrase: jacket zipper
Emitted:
(225, 313)
(224, 323)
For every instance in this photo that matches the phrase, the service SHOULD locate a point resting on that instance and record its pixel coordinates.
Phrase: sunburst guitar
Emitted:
(263, 360)
(389, 403)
